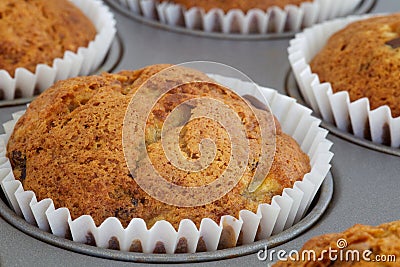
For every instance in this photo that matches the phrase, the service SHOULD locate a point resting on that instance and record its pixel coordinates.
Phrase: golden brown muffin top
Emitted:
(383, 241)
(38, 31)
(237, 4)
(364, 60)
(68, 147)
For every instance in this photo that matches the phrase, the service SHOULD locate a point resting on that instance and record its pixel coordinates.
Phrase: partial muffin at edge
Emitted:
(382, 241)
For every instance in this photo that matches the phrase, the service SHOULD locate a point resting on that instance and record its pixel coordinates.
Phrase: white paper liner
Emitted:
(283, 212)
(83, 62)
(274, 20)
(354, 117)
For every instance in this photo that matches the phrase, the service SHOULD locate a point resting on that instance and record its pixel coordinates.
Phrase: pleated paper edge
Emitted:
(283, 212)
(275, 20)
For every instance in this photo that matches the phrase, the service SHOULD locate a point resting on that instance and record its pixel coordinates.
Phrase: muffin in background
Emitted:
(351, 79)
(46, 41)
(39, 31)
(364, 60)
(374, 245)
(241, 17)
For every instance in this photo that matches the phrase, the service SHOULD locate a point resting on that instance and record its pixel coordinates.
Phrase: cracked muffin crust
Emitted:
(364, 60)
(68, 147)
(38, 31)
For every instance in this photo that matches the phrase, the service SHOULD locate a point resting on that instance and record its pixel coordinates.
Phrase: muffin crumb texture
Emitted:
(38, 31)
(364, 60)
(68, 147)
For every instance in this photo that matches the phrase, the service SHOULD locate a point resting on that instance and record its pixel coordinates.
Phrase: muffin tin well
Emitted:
(304, 129)
(316, 210)
(365, 6)
(292, 90)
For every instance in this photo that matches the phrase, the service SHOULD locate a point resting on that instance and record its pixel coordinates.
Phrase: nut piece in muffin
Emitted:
(364, 60)
(237, 4)
(68, 147)
(38, 31)
(375, 246)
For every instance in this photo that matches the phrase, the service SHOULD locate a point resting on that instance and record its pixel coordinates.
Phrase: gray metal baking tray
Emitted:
(365, 180)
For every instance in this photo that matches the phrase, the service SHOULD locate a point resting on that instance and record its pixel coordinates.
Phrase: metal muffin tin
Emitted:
(365, 180)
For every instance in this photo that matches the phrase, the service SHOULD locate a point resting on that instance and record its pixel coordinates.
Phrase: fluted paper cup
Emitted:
(355, 117)
(83, 62)
(284, 210)
(255, 21)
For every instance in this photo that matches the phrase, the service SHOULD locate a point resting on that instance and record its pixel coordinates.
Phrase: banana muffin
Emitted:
(364, 60)
(68, 147)
(375, 246)
(38, 31)
(238, 4)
